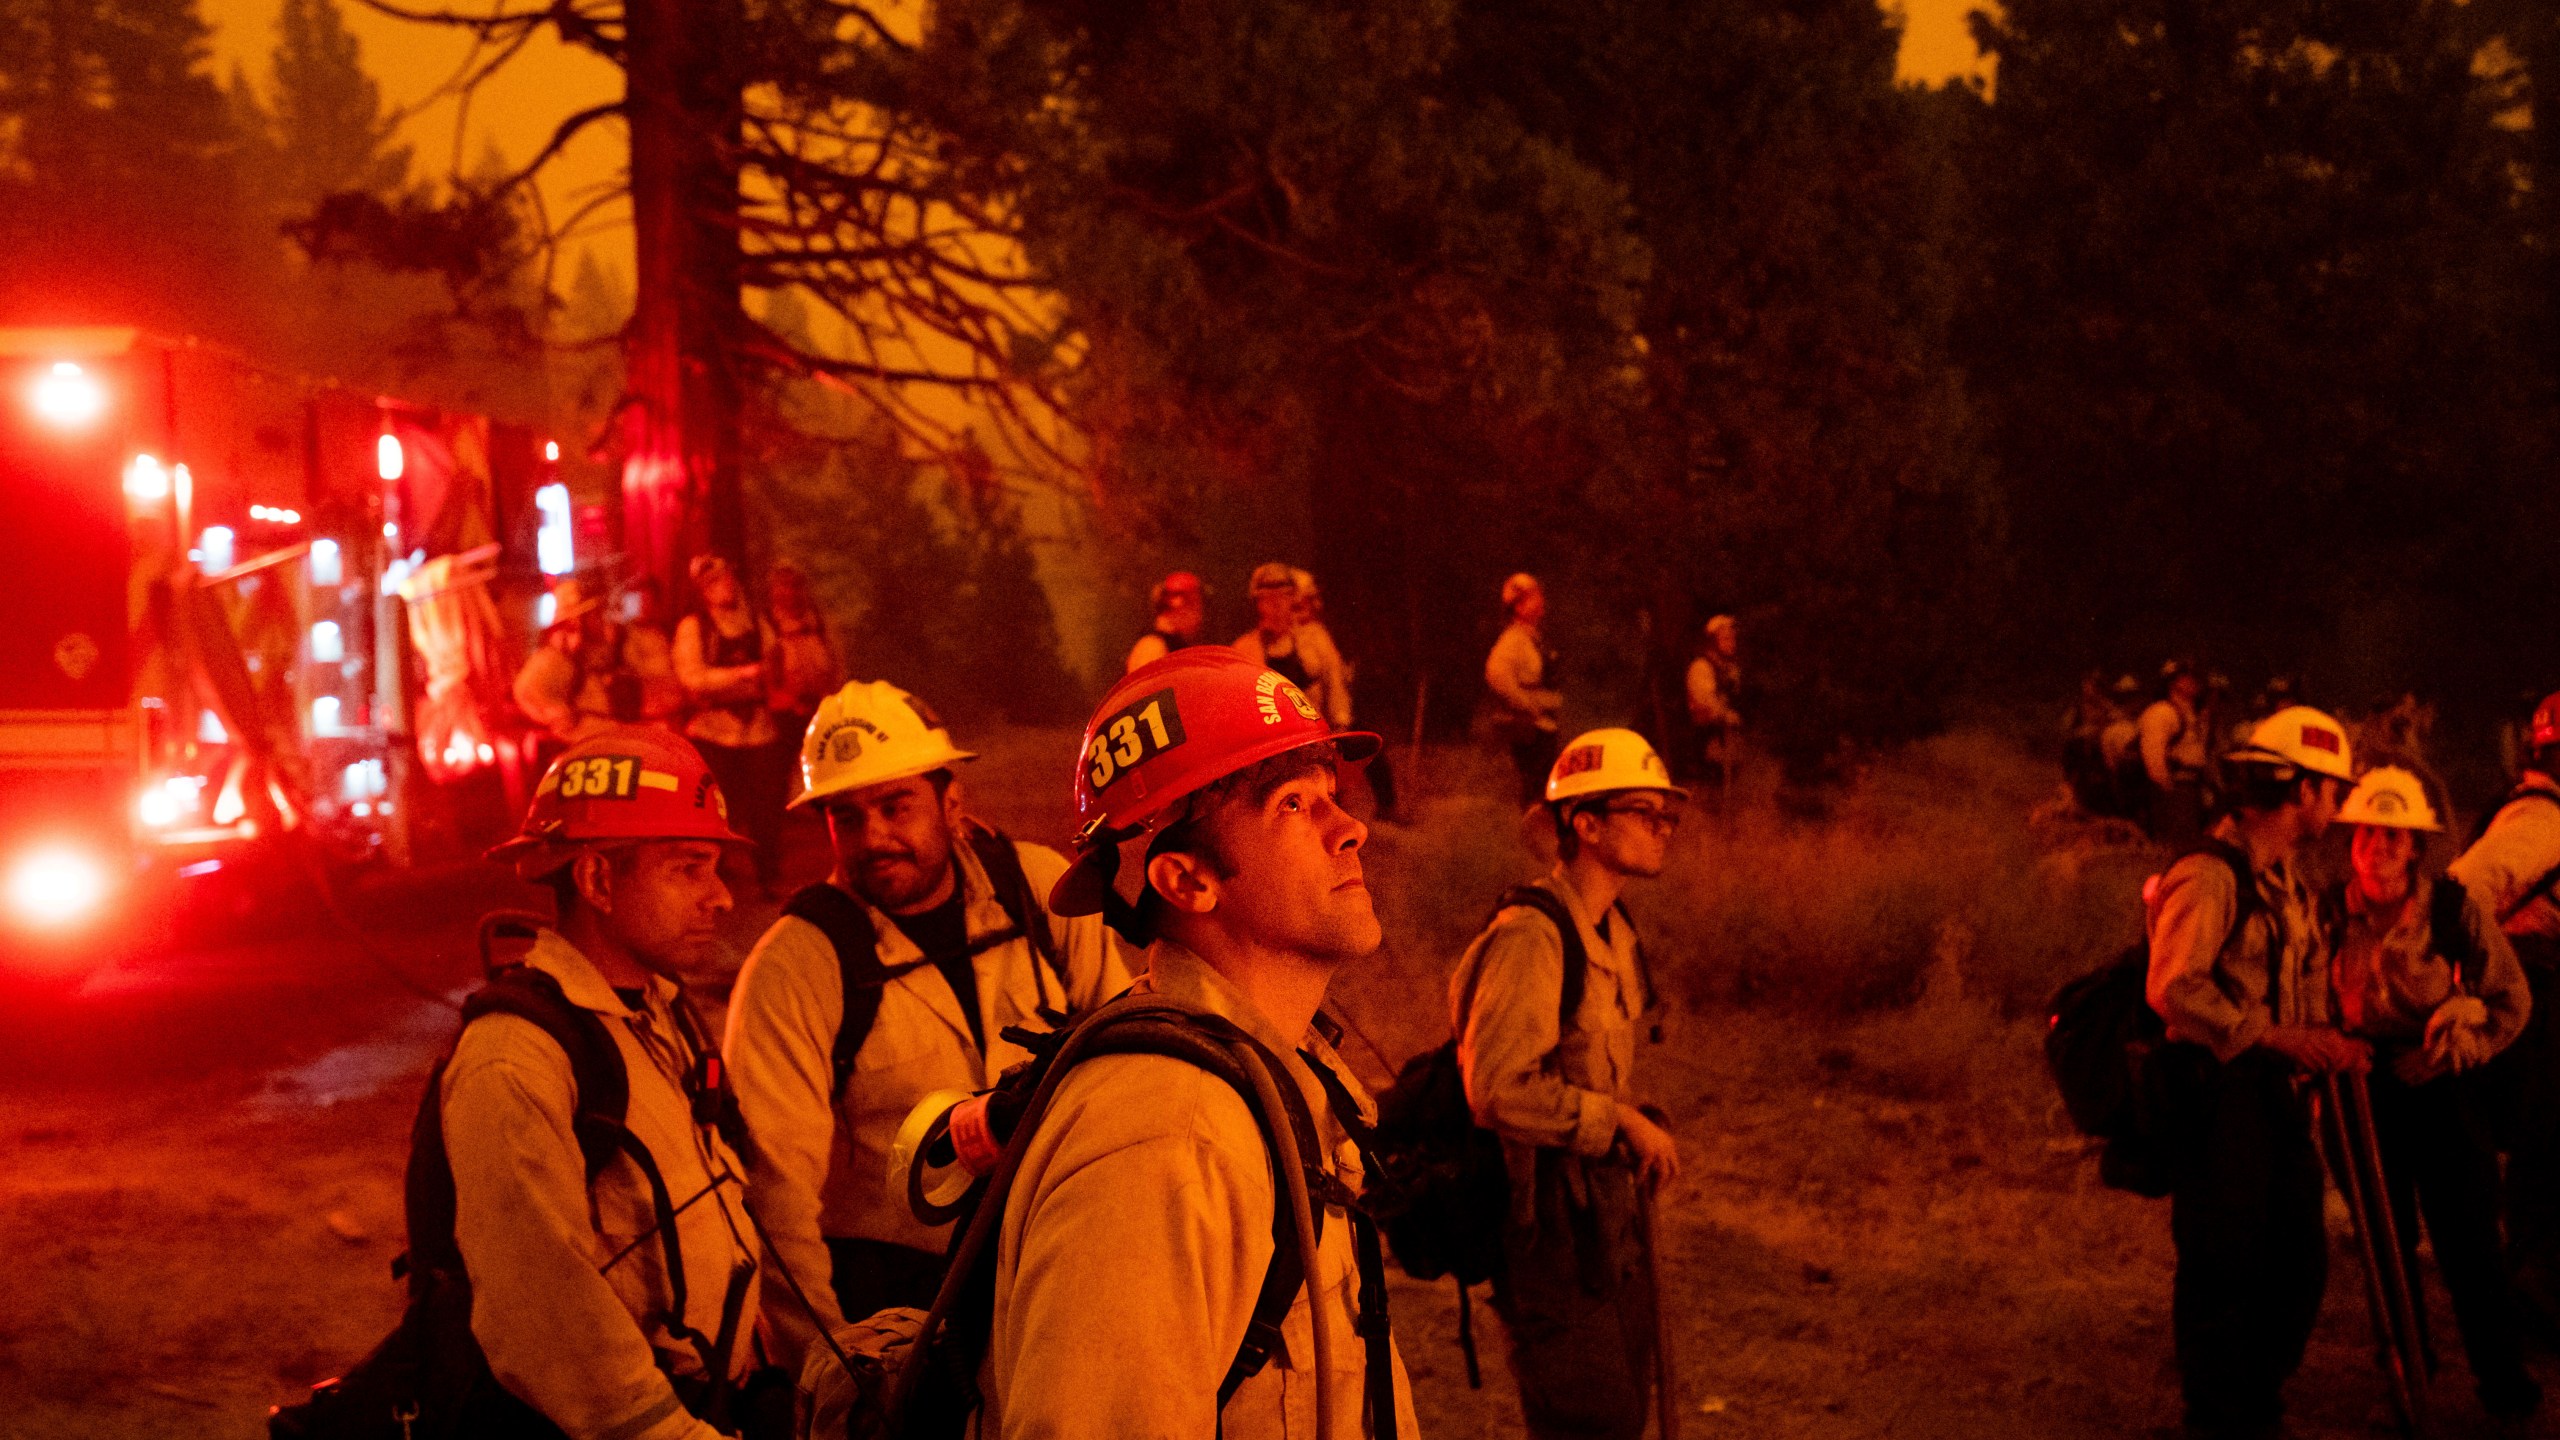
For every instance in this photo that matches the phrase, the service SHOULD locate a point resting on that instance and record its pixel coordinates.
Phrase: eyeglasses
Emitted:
(1661, 818)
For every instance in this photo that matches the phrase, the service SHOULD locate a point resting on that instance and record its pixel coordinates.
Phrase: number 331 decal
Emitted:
(1148, 727)
(603, 777)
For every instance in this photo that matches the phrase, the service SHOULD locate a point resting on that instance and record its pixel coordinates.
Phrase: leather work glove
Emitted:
(2457, 1035)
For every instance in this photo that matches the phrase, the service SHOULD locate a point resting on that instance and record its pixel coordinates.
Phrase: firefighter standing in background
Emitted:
(2172, 742)
(2436, 1007)
(1382, 780)
(588, 675)
(2514, 867)
(951, 965)
(806, 667)
(1714, 684)
(1302, 653)
(1181, 607)
(1521, 672)
(721, 654)
(570, 1286)
(1552, 1072)
(1140, 1224)
(2243, 983)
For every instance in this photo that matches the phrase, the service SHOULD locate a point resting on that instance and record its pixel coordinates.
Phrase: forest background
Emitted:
(2184, 326)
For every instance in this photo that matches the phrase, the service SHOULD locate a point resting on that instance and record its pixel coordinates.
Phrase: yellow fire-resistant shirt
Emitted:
(822, 1162)
(2389, 979)
(2520, 846)
(2221, 986)
(1135, 1242)
(1529, 1079)
(568, 1327)
(1516, 672)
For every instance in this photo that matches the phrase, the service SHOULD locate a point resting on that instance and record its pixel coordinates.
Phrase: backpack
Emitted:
(846, 922)
(2121, 1080)
(914, 1376)
(428, 1380)
(1450, 1191)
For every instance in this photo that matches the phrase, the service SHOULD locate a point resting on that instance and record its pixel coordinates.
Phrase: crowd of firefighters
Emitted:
(776, 1230)
(758, 1233)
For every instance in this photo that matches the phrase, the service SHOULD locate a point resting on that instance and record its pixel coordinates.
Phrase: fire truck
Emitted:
(219, 580)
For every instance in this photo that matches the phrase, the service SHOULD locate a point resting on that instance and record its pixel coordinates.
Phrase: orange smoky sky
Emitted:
(515, 111)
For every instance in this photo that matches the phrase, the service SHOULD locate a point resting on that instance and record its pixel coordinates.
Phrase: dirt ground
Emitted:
(1884, 1228)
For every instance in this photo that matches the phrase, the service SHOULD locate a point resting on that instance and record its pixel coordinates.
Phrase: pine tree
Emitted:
(330, 130)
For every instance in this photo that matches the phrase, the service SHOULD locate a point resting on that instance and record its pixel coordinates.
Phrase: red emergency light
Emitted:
(67, 396)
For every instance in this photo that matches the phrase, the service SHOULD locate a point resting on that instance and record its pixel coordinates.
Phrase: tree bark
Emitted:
(680, 482)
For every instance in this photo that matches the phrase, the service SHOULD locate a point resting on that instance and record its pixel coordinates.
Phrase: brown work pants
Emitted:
(1576, 1302)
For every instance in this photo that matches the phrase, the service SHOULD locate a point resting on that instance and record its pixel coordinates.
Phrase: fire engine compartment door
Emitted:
(64, 554)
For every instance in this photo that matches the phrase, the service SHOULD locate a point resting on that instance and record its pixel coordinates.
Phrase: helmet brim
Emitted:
(845, 785)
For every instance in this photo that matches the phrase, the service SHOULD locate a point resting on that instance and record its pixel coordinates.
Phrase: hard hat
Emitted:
(2546, 721)
(870, 733)
(2127, 685)
(1177, 583)
(570, 601)
(2299, 738)
(2390, 797)
(1517, 586)
(1600, 761)
(1305, 582)
(1721, 625)
(702, 567)
(1272, 575)
(629, 784)
(1167, 729)
(2174, 669)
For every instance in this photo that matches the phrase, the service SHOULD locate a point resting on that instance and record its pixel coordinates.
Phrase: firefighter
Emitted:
(1303, 653)
(1139, 1228)
(1521, 672)
(1180, 604)
(2242, 982)
(721, 652)
(2171, 741)
(2514, 867)
(955, 948)
(582, 680)
(1547, 1051)
(806, 668)
(1714, 685)
(2437, 1001)
(571, 1298)
(1381, 777)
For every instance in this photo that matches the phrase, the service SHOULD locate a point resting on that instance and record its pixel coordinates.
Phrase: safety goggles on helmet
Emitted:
(1167, 730)
(626, 785)
(870, 733)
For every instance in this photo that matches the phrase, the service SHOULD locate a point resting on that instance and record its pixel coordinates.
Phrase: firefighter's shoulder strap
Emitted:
(846, 922)
(1577, 959)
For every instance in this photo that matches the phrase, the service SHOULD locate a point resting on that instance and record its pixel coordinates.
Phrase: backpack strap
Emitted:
(1376, 1335)
(846, 922)
(1002, 860)
(1577, 960)
(2449, 932)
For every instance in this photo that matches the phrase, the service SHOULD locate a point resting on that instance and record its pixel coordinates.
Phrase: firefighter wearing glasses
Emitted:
(1546, 1005)
(895, 977)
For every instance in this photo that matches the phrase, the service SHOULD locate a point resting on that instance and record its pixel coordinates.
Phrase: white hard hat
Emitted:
(1600, 761)
(2392, 798)
(870, 733)
(2301, 738)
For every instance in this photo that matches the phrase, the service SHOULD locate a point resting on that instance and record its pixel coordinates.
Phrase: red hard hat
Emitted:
(2546, 721)
(631, 784)
(1167, 729)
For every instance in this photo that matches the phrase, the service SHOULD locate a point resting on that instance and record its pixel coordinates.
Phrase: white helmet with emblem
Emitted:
(870, 733)
(2392, 798)
(1601, 761)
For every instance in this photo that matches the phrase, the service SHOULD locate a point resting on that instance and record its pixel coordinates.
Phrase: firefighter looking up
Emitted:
(2423, 974)
(2514, 867)
(2171, 740)
(1180, 603)
(2242, 980)
(1139, 1230)
(721, 654)
(1547, 1048)
(1521, 672)
(585, 678)
(572, 1295)
(895, 977)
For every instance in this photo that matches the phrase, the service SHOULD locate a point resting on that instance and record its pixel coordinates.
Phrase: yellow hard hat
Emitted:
(1600, 761)
(870, 733)
(2299, 738)
(2392, 798)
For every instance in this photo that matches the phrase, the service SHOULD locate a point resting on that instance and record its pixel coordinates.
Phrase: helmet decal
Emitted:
(1579, 759)
(1147, 727)
(1270, 688)
(2322, 739)
(2388, 802)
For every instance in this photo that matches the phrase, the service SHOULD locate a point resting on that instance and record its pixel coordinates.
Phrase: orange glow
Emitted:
(68, 396)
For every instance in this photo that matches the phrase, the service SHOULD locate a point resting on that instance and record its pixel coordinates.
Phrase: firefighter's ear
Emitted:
(592, 872)
(1184, 881)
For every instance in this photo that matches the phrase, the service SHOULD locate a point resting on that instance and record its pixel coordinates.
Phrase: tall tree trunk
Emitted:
(680, 483)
